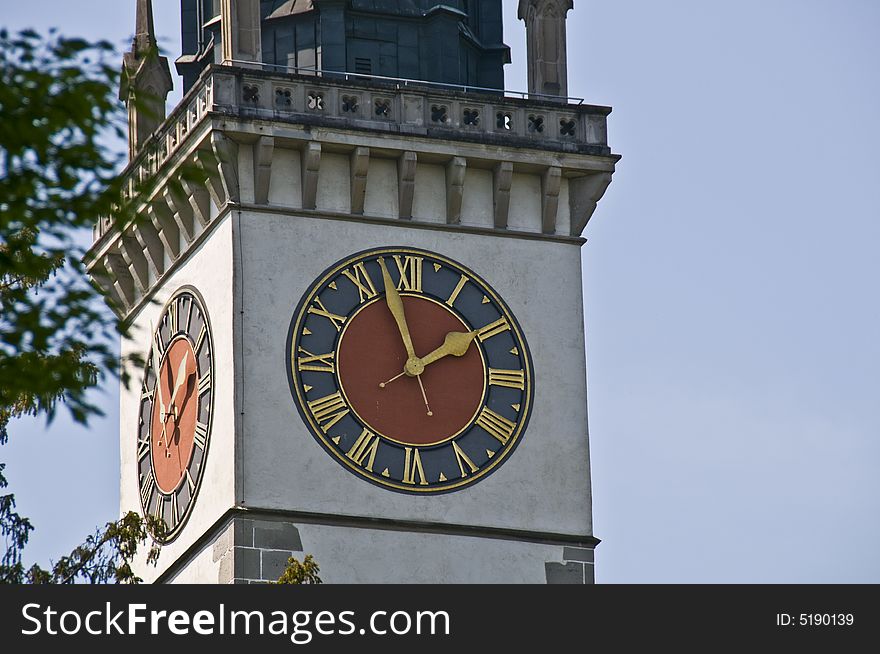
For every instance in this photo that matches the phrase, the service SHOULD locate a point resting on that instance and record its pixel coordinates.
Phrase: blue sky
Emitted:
(732, 312)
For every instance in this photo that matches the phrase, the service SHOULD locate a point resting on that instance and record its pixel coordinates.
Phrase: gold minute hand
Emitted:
(395, 305)
(455, 344)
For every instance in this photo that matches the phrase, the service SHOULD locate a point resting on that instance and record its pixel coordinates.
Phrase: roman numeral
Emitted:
(495, 425)
(205, 383)
(175, 512)
(508, 378)
(316, 362)
(365, 446)
(172, 318)
(143, 447)
(361, 279)
(410, 269)
(200, 438)
(201, 339)
(148, 395)
(493, 329)
(147, 486)
(159, 344)
(190, 482)
(413, 472)
(160, 507)
(329, 410)
(461, 283)
(189, 313)
(321, 310)
(463, 460)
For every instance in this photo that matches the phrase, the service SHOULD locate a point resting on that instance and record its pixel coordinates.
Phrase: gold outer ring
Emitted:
(523, 414)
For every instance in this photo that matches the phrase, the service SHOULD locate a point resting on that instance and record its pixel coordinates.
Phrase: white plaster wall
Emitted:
(543, 486)
(370, 556)
(429, 199)
(478, 203)
(525, 203)
(285, 188)
(382, 199)
(334, 183)
(209, 269)
(200, 569)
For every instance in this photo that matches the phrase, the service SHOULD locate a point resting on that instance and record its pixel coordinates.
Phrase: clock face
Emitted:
(174, 423)
(410, 370)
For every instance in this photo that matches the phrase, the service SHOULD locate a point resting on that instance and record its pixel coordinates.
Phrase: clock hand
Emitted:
(156, 363)
(395, 305)
(455, 344)
(180, 377)
(424, 396)
(384, 384)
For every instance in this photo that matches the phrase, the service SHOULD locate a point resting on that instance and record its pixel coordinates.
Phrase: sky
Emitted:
(730, 285)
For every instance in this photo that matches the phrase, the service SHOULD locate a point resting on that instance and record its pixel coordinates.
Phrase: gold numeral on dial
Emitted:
(410, 269)
(175, 511)
(205, 383)
(201, 436)
(361, 279)
(364, 449)
(495, 425)
(463, 460)
(413, 472)
(172, 318)
(321, 310)
(508, 378)
(201, 339)
(461, 284)
(143, 447)
(329, 410)
(147, 486)
(315, 362)
(493, 329)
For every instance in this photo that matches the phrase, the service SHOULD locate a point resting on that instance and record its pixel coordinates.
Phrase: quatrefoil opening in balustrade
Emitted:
(350, 104)
(471, 117)
(316, 101)
(536, 124)
(504, 120)
(283, 99)
(567, 127)
(439, 113)
(250, 93)
(383, 107)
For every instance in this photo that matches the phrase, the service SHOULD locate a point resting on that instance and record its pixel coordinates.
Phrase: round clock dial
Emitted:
(174, 424)
(410, 370)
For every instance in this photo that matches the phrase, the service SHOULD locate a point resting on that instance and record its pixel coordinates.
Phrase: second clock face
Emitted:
(410, 370)
(174, 422)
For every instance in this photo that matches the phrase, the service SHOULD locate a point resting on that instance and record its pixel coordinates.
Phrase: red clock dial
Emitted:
(371, 352)
(176, 412)
(173, 424)
(410, 370)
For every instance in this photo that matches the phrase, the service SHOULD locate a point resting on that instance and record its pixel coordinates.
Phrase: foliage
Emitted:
(300, 573)
(57, 177)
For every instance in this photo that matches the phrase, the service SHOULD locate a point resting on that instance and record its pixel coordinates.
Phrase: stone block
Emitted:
(274, 564)
(577, 554)
(564, 573)
(277, 536)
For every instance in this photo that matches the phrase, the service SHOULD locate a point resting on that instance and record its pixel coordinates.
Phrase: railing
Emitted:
(402, 82)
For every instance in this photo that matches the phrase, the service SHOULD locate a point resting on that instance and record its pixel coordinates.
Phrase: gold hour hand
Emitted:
(395, 305)
(455, 344)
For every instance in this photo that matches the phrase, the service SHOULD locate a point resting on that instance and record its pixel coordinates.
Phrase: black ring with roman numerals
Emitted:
(312, 348)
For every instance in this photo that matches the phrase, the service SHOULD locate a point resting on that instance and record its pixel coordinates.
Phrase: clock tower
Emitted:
(355, 279)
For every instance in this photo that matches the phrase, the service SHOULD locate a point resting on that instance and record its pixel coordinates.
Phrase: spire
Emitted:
(145, 82)
(545, 40)
(145, 30)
